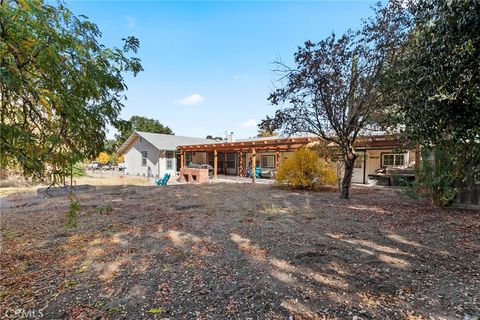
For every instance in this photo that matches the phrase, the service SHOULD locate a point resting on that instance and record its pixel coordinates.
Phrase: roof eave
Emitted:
(127, 143)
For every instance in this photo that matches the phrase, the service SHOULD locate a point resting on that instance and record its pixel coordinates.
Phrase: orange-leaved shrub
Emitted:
(305, 170)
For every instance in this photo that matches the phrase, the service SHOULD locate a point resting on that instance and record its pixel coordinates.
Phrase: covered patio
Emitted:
(239, 157)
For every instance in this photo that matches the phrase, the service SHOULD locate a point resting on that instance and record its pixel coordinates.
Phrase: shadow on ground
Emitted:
(240, 251)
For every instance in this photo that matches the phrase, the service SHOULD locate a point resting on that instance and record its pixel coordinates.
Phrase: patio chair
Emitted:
(163, 181)
(258, 172)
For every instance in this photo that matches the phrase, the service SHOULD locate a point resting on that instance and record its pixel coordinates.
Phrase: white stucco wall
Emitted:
(133, 159)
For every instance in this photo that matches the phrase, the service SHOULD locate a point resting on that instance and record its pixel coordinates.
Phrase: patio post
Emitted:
(253, 164)
(215, 163)
(240, 164)
(181, 159)
(277, 159)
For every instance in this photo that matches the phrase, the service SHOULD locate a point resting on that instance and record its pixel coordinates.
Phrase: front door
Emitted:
(357, 176)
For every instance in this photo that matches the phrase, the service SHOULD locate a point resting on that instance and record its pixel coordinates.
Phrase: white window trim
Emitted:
(395, 155)
(144, 158)
(169, 160)
(267, 157)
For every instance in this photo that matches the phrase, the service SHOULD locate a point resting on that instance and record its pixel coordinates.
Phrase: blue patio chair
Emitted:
(258, 172)
(163, 181)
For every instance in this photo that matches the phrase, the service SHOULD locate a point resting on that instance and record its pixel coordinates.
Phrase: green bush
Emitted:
(72, 215)
(442, 174)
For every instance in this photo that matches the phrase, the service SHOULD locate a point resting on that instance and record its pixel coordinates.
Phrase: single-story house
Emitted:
(153, 154)
(235, 157)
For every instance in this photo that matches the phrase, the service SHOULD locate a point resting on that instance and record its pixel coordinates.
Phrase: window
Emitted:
(169, 159)
(210, 158)
(144, 158)
(392, 159)
(268, 161)
(188, 157)
(230, 160)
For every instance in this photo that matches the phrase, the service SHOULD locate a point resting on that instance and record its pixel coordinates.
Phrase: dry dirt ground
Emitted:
(238, 251)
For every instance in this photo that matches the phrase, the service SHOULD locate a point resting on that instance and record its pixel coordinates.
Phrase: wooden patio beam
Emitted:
(244, 148)
(283, 144)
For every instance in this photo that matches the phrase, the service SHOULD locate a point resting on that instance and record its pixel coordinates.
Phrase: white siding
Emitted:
(133, 159)
(163, 164)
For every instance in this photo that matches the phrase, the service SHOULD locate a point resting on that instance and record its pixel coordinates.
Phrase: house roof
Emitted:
(161, 141)
(292, 142)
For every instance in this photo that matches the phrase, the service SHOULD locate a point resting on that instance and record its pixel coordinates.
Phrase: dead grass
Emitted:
(238, 251)
(107, 179)
(15, 185)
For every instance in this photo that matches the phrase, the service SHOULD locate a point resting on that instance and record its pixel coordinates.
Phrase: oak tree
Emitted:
(139, 123)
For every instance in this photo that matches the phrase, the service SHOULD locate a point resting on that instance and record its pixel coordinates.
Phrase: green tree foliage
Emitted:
(115, 159)
(305, 170)
(111, 146)
(59, 87)
(434, 91)
(138, 123)
(78, 169)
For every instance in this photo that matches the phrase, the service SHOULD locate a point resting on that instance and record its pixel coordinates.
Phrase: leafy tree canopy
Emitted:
(103, 158)
(111, 146)
(434, 88)
(435, 85)
(59, 87)
(138, 123)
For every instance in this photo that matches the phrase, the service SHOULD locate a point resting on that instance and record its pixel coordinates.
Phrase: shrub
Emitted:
(305, 170)
(72, 215)
(105, 209)
(442, 174)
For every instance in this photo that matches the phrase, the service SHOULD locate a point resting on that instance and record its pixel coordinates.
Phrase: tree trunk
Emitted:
(350, 156)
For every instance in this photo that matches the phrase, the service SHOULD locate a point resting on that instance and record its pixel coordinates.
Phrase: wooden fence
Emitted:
(470, 196)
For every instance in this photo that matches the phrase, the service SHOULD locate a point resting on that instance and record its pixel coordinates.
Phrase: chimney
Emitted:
(230, 137)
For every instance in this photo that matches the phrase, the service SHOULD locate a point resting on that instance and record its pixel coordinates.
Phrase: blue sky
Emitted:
(208, 65)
